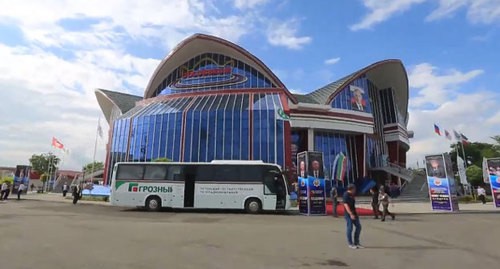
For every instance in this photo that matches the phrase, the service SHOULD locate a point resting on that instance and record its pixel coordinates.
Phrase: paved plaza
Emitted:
(44, 233)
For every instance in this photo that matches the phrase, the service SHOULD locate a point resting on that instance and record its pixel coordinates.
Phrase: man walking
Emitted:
(3, 192)
(65, 189)
(76, 194)
(20, 190)
(335, 202)
(375, 203)
(481, 194)
(351, 217)
(384, 200)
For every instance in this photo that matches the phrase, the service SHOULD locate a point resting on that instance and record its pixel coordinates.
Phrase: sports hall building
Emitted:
(210, 99)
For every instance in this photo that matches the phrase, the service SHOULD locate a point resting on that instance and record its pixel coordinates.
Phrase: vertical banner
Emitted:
(303, 183)
(439, 183)
(316, 182)
(21, 175)
(493, 168)
(450, 175)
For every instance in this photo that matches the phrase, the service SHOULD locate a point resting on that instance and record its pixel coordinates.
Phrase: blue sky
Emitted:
(54, 54)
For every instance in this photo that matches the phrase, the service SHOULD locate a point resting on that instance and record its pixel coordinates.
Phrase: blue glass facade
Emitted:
(354, 96)
(331, 144)
(212, 71)
(218, 107)
(201, 129)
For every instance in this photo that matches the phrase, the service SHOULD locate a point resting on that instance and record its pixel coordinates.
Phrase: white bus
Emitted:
(249, 185)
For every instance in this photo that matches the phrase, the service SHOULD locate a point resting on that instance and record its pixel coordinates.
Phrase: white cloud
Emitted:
(332, 61)
(247, 4)
(434, 88)
(284, 34)
(47, 80)
(441, 100)
(478, 11)
(382, 10)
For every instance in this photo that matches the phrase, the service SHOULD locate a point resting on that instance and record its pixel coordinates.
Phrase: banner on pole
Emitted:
(21, 176)
(441, 182)
(493, 170)
(312, 189)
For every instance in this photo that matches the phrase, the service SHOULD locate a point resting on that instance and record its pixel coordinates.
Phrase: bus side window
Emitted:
(204, 173)
(226, 173)
(270, 182)
(130, 172)
(175, 173)
(155, 172)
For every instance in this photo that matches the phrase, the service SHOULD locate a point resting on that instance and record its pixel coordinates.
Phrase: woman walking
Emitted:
(384, 200)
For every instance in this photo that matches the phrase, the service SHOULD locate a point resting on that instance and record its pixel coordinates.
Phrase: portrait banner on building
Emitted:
(440, 184)
(493, 168)
(21, 176)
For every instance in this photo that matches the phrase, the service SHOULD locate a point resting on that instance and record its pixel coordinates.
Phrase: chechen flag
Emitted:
(56, 143)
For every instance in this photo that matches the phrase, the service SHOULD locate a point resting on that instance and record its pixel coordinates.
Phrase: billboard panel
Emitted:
(441, 183)
(312, 194)
(21, 176)
(493, 168)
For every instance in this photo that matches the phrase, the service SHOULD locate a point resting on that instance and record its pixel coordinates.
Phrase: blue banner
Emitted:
(317, 196)
(494, 178)
(442, 190)
(303, 196)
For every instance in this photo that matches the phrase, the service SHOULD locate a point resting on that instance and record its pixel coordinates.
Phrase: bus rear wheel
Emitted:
(153, 203)
(253, 206)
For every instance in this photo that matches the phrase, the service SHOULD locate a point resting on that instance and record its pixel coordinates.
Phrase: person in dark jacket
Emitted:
(76, 194)
(335, 202)
(375, 203)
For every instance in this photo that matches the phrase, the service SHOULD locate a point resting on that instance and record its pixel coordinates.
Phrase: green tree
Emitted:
(7, 179)
(162, 160)
(95, 166)
(45, 164)
(474, 153)
(474, 175)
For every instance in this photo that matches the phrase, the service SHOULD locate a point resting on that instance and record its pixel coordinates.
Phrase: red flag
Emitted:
(56, 143)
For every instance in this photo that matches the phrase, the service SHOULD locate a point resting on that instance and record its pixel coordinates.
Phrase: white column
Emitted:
(310, 139)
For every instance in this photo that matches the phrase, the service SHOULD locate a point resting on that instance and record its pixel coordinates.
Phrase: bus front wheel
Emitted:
(253, 206)
(153, 203)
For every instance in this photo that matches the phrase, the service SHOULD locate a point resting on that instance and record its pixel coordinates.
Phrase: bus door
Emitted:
(271, 190)
(189, 179)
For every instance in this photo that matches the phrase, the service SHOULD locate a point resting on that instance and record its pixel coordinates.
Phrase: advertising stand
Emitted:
(311, 180)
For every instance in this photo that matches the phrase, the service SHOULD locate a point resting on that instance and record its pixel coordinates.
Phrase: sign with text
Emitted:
(493, 168)
(441, 182)
(312, 194)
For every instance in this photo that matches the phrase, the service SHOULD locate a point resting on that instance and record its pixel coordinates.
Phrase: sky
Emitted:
(55, 53)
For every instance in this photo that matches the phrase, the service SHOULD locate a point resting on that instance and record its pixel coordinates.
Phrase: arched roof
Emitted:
(201, 43)
(384, 74)
(109, 100)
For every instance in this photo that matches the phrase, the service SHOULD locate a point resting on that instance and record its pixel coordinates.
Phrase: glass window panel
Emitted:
(130, 172)
(155, 172)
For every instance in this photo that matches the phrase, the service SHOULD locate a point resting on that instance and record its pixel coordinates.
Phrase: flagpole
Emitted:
(463, 153)
(95, 150)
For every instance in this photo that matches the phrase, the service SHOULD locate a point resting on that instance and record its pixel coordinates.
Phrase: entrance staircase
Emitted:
(416, 190)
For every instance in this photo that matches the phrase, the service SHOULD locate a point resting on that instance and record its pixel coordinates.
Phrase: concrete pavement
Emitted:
(398, 207)
(49, 235)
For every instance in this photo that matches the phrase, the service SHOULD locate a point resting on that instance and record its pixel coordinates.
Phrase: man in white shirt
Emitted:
(20, 191)
(481, 194)
(3, 192)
